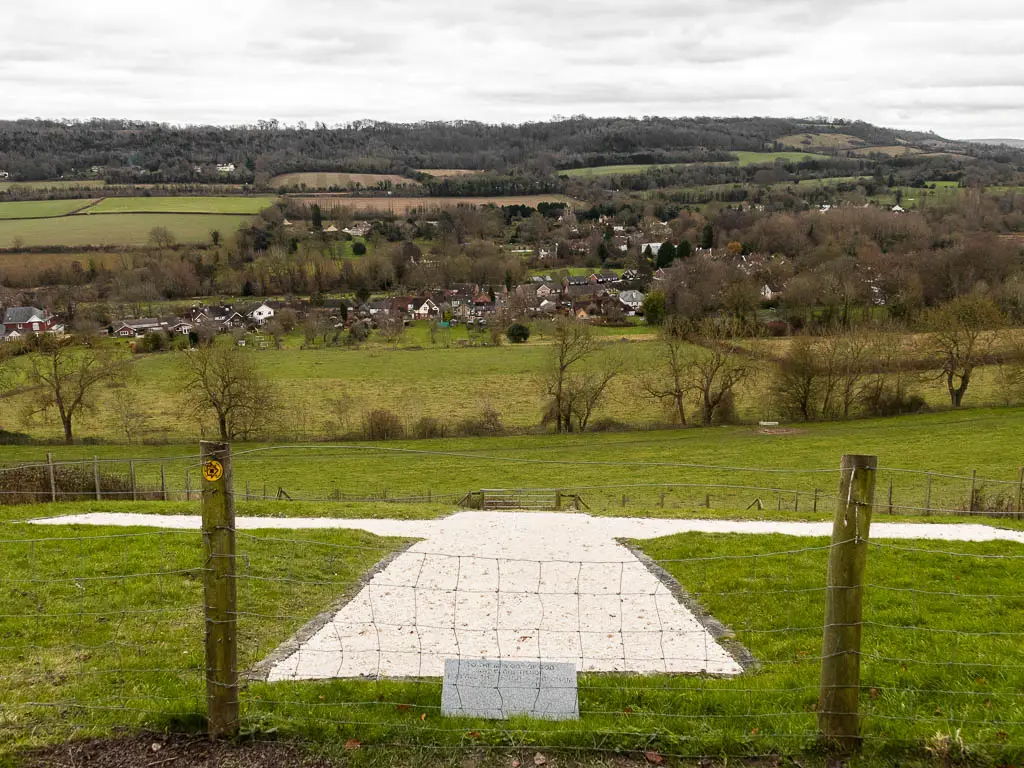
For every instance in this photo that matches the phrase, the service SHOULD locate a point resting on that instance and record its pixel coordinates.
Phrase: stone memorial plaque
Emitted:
(498, 689)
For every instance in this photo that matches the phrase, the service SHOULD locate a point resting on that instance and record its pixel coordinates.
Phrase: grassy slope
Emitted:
(37, 209)
(113, 229)
(608, 466)
(250, 205)
(419, 379)
(768, 158)
(86, 650)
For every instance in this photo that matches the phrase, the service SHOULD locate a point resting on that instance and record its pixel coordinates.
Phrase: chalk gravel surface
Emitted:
(516, 585)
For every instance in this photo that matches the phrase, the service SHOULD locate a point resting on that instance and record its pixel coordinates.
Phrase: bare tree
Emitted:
(127, 413)
(574, 342)
(963, 332)
(670, 382)
(717, 370)
(391, 326)
(798, 381)
(65, 377)
(583, 392)
(223, 381)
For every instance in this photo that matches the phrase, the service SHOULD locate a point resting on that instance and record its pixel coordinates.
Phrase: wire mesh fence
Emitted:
(685, 644)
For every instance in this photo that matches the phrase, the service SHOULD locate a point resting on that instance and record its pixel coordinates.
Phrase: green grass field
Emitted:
(613, 170)
(6, 186)
(783, 470)
(769, 158)
(219, 205)
(38, 209)
(103, 631)
(114, 229)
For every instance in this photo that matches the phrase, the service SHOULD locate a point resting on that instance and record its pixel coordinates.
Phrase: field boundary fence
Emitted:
(684, 646)
(907, 492)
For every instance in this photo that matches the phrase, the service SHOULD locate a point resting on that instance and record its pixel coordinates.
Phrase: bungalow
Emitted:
(128, 329)
(28, 320)
(225, 167)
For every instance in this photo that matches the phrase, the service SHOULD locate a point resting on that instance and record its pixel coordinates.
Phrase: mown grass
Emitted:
(114, 229)
(614, 170)
(7, 186)
(202, 204)
(673, 472)
(40, 209)
(89, 648)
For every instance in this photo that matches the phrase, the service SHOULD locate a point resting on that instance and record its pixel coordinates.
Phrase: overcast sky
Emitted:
(950, 66)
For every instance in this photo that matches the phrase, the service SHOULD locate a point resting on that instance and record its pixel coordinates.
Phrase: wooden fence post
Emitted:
(1020, 490)
(219, 590)
(890, 495)
(96, 477)
(558, 501)
(815, 499)
(928, 494)
(53, 478)
(131, 475)
(974, 483)
(163, 483)
(188, 485)
(838, 718)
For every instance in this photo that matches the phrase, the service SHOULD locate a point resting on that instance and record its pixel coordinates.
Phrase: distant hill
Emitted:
(1017, 143)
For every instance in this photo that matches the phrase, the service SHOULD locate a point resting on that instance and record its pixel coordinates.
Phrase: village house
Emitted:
(631, 301)
(768, 293)
(131, 328)
(225, 167)
(423, 309)
(261, 314)
(21, 321)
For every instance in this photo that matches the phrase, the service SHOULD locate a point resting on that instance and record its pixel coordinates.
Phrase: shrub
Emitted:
(428, 427)
(488, 423)
(777, 328)
(359, 248)
(518, 333)
(607, 424)
(382, 424)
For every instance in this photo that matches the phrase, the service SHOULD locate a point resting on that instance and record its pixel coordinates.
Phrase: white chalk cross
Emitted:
(507, 585)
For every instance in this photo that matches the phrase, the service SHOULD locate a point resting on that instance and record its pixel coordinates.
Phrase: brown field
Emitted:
(821, 141)
(403, 205)
(328, 179)
(894, 151)
(23, 270)
(447, 173)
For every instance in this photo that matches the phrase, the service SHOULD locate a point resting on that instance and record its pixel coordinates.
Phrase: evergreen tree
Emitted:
(684, 249)
(318, 218)
(666, 254)
(707, 236)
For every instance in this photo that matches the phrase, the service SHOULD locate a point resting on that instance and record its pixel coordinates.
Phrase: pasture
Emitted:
(447, 173)
(613, 170)
(894, 151)
(450, 377)
(220, 205)
(63, 184)
(114, 229)
(41, 209)
(401, 206)
(770, 158)
(821, 140)
(332, 179)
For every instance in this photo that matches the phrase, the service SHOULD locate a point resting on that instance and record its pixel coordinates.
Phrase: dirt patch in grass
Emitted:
(177, 751)
(151, 750)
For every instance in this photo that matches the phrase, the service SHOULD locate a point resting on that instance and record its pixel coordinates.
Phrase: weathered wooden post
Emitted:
(890, 495)
(1020, 490)
(96, 477)
(53, 478)
(163, 483)
(838, 718)
(928, 494)
(974, 492)
(188, 485)
(558, 500)
(131, 476)
(815, 499)
(218, 505)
